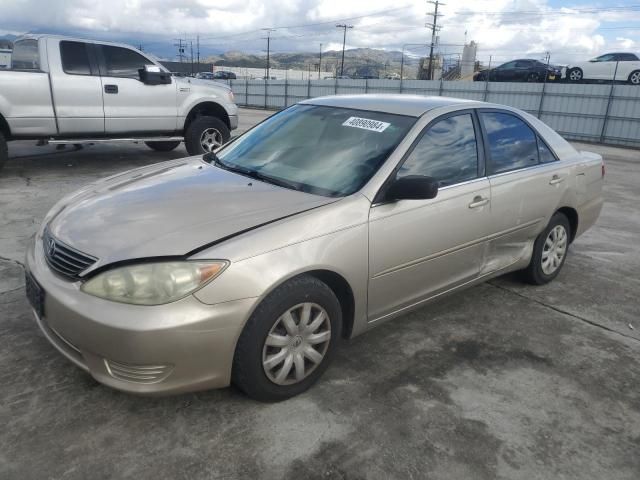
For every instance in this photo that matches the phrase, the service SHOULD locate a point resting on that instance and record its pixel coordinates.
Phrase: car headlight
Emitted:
(232, 96)
(153, 283)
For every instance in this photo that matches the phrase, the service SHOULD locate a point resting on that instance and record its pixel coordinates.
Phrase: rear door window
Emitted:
(75, 58)
(546, 155)
(512, 143)
(447, 152)
(25, 55)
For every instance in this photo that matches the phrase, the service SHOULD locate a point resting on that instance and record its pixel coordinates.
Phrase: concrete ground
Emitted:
(500, 381)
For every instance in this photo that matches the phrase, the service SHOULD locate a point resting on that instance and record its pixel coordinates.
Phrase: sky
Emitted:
(504, 29)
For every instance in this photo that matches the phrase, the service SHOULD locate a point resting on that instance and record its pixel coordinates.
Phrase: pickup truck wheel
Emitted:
(162, 146)
(634, 78)
(549, 251)
(205, 134)
(575, 75)
(289, 340)
(4, 150)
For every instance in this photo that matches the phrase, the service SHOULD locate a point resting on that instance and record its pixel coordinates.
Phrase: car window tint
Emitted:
(609, 57)
(75, 59)
(447, 152)
(523, 63)
(122, 62)
(627, 57)
(546, 156)
(25, 55)
(508, 65)
(512, 144)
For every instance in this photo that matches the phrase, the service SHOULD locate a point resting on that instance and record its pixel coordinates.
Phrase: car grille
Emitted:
(137, 373)
(65, 260)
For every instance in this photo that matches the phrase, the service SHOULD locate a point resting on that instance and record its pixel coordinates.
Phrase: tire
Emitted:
(258, 381)
(575, 75)
(162, 146)
(4, 150)
(536, 273)
(532, 78)
(634, 77)
(193, 136)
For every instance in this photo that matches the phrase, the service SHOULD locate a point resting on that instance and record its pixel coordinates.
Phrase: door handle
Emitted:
(111, 89)
(555, 180)
(478, 201)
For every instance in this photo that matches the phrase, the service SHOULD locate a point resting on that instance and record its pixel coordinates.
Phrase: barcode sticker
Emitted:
(366, 124)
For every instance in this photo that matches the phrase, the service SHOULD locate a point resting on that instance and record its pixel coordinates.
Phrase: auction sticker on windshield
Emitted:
(366, 124)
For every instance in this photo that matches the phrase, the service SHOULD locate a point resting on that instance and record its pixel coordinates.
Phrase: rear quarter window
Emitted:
(512, 143)
(25, 55)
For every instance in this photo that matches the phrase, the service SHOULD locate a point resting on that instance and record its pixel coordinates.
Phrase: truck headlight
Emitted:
(153, 283)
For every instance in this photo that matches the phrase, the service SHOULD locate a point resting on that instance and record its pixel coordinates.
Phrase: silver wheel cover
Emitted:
(296, 344)
(211, 139)
(554, 249)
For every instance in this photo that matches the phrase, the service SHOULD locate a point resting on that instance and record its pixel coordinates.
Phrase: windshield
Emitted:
(316, 149)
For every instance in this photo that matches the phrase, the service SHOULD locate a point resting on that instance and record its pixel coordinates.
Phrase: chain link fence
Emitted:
(608, 114)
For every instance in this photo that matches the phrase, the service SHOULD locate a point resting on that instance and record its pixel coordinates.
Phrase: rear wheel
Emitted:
(634, 78)
(575, 75)
(289, 340)
(532, 78)
(549, 251)
(162, 146)
(205, 134)
(4, 150)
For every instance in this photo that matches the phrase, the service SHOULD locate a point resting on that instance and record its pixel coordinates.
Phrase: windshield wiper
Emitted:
(211, 157)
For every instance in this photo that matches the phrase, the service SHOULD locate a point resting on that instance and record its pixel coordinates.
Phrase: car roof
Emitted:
(398, 104)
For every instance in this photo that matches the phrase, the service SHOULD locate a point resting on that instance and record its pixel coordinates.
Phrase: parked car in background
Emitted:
(65, 90)
(250, 264)
(224, 75)
(523, 70)
(625, 66)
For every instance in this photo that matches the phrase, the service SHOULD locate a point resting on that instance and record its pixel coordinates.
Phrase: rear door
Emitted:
(527, 184)
(76, 88)
(419, 248)
(131, 106)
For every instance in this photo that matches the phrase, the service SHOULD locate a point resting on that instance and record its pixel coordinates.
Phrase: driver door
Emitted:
(130, 106)
(420, 248)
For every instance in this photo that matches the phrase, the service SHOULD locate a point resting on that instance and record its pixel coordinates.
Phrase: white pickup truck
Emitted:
(624, 66)
(65, 90)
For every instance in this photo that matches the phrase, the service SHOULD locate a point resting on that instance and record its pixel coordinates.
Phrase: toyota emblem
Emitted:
(51, 247)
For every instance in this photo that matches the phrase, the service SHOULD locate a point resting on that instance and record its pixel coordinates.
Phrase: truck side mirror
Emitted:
(153, 75)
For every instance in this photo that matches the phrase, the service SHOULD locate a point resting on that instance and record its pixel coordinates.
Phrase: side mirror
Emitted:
(413, 187)
(153, 75)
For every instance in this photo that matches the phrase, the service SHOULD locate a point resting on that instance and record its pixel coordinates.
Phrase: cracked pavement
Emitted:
(503, 380)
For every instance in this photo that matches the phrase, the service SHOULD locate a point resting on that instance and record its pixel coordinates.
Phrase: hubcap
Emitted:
(635, 78)
(575, 75)
(554, 250)
(296, 344)
(210, 139)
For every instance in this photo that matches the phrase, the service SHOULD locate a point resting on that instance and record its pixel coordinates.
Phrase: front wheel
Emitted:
(162, 146)
(205, 134)
(634, 78)
(289, 340)
(4, 151)
(575, 75)
(549, 251)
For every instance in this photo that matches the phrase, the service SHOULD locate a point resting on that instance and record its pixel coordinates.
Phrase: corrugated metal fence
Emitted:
(594, 113)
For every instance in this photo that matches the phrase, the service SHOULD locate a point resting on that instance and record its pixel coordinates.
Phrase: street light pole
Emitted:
(268, 39)
(320, 62)
(344, 41)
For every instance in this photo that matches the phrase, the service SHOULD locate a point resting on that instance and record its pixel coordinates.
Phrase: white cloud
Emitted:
(567, 33)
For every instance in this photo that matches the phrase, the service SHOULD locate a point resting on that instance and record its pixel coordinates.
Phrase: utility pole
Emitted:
(140, 48)
(180, 48)
(320, 62)
(198, 50)
(434, 29)
(268, 39)
(191, 45)
(344, 41)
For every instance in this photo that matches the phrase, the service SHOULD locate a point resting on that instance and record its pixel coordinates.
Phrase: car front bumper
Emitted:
(165, 349)
(233, 122)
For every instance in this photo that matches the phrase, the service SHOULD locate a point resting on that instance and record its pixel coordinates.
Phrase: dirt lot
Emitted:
(500, 381)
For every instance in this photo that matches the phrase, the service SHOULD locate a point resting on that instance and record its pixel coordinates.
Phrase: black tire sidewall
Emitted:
(248, 373)
(194, 132)
(534, 271)
(630, 75)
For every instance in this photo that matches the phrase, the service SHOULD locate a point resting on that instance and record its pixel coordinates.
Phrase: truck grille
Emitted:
(65, 260)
